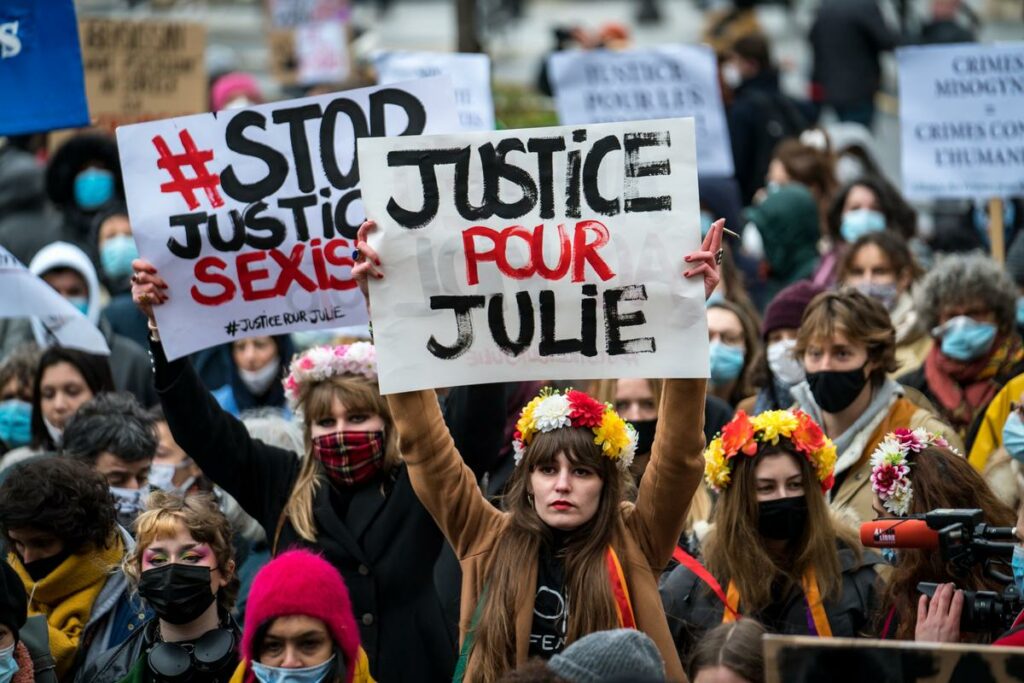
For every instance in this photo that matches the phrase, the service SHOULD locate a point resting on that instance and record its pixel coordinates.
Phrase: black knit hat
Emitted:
(787, 308)
(1015, 260)
(13, 600)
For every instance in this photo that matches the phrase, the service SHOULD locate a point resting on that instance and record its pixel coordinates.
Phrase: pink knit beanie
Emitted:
(299, 582)
(230, 86)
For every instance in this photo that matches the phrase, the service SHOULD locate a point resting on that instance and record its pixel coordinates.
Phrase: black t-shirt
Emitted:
(551, 605)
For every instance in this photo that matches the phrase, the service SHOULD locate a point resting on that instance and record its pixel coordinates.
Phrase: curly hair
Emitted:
(965, 280)
(60, 496)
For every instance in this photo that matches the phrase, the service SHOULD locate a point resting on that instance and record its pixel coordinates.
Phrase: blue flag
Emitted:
(41, 82)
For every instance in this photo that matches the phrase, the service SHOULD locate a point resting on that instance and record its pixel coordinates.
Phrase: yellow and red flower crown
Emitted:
(743, 435)
(551, 410)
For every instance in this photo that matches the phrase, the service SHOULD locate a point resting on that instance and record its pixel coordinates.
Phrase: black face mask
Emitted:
(782, 519)
(644, 434)
(835, 390)
(178, 593)
(40, 569)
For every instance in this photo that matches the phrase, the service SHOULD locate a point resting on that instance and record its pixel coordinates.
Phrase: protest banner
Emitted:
(470, 74)
(26, 295)
(962, 132)
(598, 86)
(143, 70)
(308, 41)
(250, 214)
(535, 254)
(40, 67)
(805, 659)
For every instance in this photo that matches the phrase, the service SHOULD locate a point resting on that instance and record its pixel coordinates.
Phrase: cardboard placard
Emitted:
(536, 254)
(250, 215)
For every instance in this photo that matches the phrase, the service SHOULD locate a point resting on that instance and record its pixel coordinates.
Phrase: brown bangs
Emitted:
(576, 442)
(355, 393)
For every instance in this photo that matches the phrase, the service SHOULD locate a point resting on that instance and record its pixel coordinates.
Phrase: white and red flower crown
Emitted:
(890, 466)
(320, 362)
(551, 410)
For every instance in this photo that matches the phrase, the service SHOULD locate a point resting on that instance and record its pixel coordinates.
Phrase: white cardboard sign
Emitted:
(597, 86)
(961, 122)
(536, 254)
(250, 215)
(470, 74)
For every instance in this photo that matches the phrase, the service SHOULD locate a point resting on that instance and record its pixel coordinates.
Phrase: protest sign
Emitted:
(536, 254)
(308, 41)
(143, 70)
(40, 67)
(470, 74)
(26, 295)
(322, 52)
(295, 13)
(805, 659)
(250, 214)
(961, 127)
(597, 86)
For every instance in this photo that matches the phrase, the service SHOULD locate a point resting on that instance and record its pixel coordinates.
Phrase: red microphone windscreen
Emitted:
(898, 533)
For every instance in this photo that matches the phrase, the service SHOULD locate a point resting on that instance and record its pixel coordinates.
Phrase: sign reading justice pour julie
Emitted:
(536, 254)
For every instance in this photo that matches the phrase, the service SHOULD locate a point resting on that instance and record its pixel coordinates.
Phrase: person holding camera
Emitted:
(912, 473)
(183, 567)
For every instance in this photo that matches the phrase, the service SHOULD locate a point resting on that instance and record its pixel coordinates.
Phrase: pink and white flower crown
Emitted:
(551, 410)
(320, 362)
(890, 466)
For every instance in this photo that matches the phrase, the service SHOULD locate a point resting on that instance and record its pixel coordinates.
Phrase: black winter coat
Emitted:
(847, 38)
(693, 609)
(379, 537)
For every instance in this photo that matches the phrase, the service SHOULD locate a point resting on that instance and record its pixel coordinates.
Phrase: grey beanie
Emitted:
(604, 654)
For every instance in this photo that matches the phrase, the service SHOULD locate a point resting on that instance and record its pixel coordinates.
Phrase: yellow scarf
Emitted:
(66, 595)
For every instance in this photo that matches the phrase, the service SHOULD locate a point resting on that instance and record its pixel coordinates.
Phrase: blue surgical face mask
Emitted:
(117, 254)
(310, 674)
(8, 667)
(1020, 311)
(726, 362)
(15, 422)
(1017, 564)
(93, 188)
(81, 303)
(890, 556)
(706, 219)
(1013, 436)
(964, 338)
(861, 222)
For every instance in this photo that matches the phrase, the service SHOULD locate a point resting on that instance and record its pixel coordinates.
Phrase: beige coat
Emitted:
(645, 535)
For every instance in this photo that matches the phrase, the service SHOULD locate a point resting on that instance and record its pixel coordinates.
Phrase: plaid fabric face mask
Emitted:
(350, 457)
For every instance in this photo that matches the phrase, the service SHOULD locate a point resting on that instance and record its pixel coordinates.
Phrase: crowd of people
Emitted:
(260, 513)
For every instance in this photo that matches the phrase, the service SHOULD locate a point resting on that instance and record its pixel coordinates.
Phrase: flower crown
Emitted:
(551, 410)
(890, 466)
(743, 434)
(320, 362)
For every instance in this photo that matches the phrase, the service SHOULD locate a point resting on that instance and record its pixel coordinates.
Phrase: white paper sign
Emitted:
(536, 254)
(322, 52)
(962, 120)
(597, 86)
(250, 215)
(470, 74)
(25, 295)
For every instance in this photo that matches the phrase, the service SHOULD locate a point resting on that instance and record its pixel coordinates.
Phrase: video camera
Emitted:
(964, 540)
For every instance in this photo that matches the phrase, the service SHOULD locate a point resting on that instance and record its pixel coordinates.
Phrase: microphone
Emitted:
(898, 533)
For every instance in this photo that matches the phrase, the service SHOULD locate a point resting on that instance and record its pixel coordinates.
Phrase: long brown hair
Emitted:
(316, 401)
(734, 549)
(940, 479)
(591, 605)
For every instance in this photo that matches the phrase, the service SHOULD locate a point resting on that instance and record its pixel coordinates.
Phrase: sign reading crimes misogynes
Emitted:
(962, 120)
(250, 215)
(536, 254)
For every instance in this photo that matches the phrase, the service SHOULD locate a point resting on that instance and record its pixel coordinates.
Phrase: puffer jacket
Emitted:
(693, 609)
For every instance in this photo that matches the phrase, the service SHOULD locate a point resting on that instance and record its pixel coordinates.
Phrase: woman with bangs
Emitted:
(350, 499)
(183, 568)
(848, 348)
(774, 553)
(567, 556)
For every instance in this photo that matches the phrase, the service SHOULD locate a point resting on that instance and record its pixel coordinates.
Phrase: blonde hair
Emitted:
(167, 514)
(316, 401)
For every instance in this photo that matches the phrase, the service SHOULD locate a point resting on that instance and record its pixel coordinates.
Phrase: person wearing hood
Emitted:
(67, 269)
(112, 235)
(848, 347)
(83, 177)
(27, 223)
(787, 221)
(58, 521)
(258, 365)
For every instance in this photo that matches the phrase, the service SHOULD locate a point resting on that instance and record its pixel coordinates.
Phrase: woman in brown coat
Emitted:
(567, 557)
